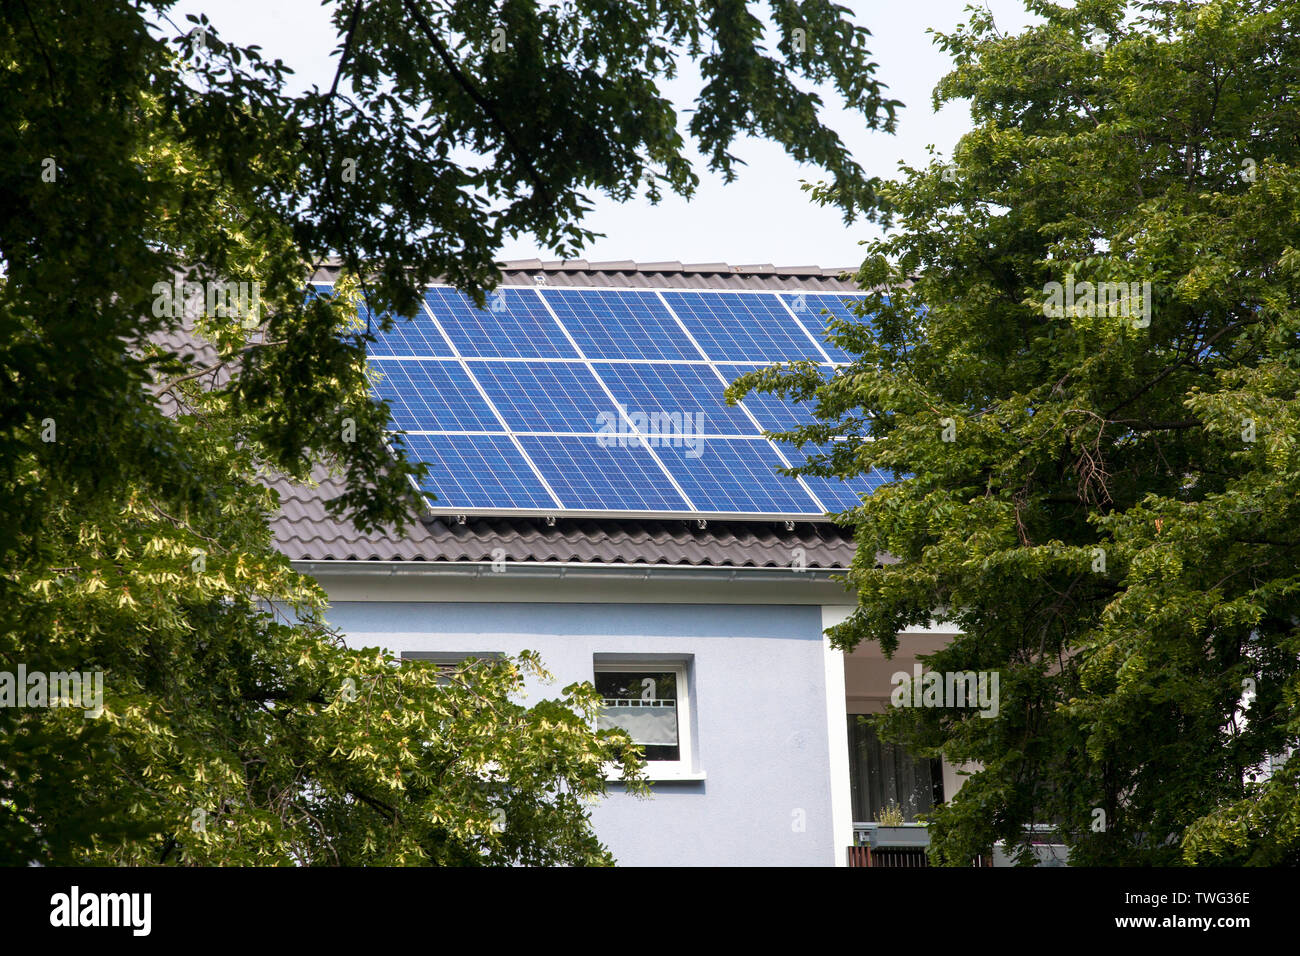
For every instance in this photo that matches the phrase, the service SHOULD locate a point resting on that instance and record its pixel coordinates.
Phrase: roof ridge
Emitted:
(631, 265)
(670, 272)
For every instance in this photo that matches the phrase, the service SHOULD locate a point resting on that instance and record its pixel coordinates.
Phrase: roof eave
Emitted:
(562, 569)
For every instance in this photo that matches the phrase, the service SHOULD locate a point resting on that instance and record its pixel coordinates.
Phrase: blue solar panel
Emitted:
(743, 326)
(620, 324)
(677, 390)
(835, 493)
(431, 396)
(777, 415)
(530, 426)
(814, 310)
(772, 411)
(601, 474)
(415, 336)
(737, 476)
(545, 397)
(514, 324)
(478, 471)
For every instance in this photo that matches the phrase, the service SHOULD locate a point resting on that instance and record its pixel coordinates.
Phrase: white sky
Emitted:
(762, 217)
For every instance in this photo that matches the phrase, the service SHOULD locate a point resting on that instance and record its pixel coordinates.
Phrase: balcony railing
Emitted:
(877, 845)
(905, 846)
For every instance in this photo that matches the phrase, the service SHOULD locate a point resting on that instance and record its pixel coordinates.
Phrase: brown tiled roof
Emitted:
(303, 531)
(667, 275)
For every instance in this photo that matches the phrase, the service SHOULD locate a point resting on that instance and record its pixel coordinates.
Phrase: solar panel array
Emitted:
(608, 401)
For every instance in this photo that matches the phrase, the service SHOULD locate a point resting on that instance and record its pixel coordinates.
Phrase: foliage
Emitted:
(133, 513)
(238, 729)
(891, 816)
(1105, 507)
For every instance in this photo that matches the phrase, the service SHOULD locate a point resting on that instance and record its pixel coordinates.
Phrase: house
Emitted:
(693, 592)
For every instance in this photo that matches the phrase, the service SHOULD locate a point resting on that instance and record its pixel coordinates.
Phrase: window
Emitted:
(650, 701)
(882, 774)
(449, 661)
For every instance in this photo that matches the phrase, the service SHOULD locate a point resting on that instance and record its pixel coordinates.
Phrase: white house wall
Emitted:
(764, 693)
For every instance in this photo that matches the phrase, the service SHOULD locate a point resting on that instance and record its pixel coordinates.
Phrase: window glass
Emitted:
(448, 664)
(884, 774)
(644, 704)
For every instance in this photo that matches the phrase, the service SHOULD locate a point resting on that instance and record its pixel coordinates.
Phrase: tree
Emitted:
(1080, 362)
(133, 535)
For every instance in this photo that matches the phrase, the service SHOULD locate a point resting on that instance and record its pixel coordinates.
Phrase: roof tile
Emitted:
(304, 532)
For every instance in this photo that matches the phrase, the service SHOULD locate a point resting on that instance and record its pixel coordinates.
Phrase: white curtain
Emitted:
(651, 723)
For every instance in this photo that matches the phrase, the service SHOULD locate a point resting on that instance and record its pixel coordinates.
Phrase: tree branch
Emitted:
(472, 92)
(1169, 370)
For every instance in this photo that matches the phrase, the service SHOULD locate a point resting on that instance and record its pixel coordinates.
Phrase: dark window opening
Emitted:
(883, 774)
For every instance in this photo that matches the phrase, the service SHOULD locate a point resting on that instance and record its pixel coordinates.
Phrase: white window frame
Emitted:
(683, 768)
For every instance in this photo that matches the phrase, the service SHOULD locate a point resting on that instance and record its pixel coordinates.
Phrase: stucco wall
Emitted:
(758, 678)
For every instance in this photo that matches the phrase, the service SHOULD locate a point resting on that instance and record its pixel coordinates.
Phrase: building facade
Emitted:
(706, 637)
